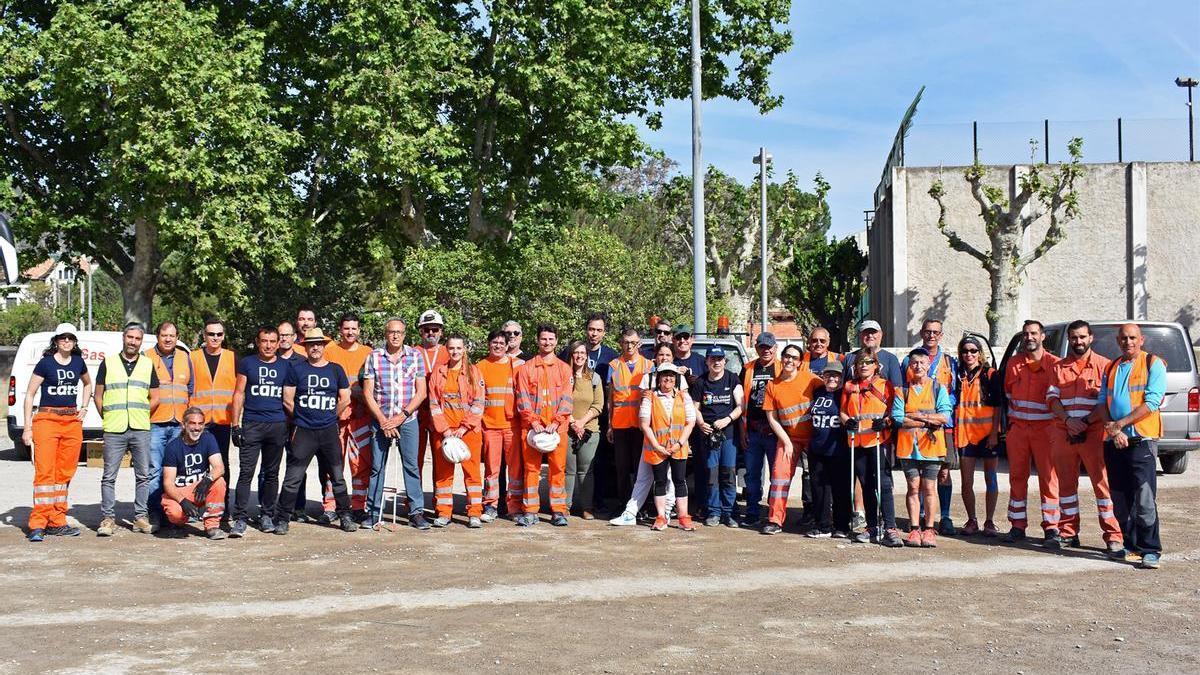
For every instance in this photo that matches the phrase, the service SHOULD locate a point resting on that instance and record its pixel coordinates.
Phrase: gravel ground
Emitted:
(585, 598)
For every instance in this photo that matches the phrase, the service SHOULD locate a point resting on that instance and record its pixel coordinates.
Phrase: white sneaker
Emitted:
(626, 518)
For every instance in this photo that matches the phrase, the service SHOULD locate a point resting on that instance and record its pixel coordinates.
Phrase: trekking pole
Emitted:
(878, 493)
(853, 437)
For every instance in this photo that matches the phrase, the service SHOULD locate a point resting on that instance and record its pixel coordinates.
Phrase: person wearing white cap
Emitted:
(56, 431)
(667, 416)
(870, 337)
(431, 327)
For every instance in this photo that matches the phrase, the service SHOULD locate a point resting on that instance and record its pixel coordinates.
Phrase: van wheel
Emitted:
(1174, 463)
(24, 452)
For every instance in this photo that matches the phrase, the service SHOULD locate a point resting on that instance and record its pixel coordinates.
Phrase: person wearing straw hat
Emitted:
(56, 432)
(315, 393)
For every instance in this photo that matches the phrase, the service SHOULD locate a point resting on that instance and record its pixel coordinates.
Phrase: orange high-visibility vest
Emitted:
(944, 374)
(806, 362)
(352, 363)
(1077, 383)
(214, 395)
(1150, 426)
(930, 443)
(456, 401)
(791, 402)
(973, 421)
(867, 401)
(666, 429)
(626, 397)
(172, 386)
(1026, 385)
(499, 406)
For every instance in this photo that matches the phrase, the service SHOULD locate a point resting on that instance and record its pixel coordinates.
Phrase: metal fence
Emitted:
(1119, 140)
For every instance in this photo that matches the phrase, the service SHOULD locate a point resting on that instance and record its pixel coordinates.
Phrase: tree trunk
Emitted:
(1003, 315)
(138, 283)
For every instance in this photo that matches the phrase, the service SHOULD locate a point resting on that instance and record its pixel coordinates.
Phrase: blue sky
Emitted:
(856, 65)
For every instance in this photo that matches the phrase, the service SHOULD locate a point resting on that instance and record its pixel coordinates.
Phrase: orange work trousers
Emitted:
(496, 446)
(1031, 443)
(443, 477)
(355, 437)
(781, 481)
(1067, 458)
(425, 432)
(214, 505)
(556, 475)
(514, 472)
(56, 443)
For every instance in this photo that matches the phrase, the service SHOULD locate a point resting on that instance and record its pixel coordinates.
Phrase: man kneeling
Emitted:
(194, 476)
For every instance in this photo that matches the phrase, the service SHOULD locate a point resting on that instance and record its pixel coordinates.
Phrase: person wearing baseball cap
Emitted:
(691, 364)
(829, 457)
(757, 438)
(870, 336)
(667, 416)
(431, 327)
(719, 396)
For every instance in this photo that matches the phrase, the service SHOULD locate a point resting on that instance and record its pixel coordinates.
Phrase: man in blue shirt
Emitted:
(1130, 396)
(193, 477)
(259, 427)
(870, 336)
(681, 345)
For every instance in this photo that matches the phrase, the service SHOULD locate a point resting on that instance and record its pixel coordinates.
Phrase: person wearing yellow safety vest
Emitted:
(1132, 391)
(214, 372)
(126, 394)
(173, 367)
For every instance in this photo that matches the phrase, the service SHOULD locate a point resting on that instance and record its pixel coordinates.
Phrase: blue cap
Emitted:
(919, 351)
(766, 339)
(715, 352)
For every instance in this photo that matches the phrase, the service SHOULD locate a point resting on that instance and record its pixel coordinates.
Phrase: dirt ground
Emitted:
(587, 598)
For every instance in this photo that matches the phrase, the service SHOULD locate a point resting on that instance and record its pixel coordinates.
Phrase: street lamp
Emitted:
(762, 159)
(699, 250)
(1189, 83)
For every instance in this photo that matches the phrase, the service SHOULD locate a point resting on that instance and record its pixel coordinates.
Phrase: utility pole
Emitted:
(699, 250)
(762, 159)
(1189, 83)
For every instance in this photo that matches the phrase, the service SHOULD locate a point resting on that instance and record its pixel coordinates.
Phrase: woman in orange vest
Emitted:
(456, 398)
(786, 402)
(921, 409)
(866, 416)
(667, 417)
(977, 432)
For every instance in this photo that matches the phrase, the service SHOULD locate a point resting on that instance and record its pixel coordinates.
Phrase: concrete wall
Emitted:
(1132, 252)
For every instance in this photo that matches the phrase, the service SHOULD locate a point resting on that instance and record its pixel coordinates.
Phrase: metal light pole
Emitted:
(762, 159)
(90, 270)
(1189, 83)
(699, 250)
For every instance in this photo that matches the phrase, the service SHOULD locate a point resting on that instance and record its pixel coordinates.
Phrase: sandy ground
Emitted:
(585, 598)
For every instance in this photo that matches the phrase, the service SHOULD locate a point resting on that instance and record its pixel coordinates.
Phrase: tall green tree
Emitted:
(823, 285)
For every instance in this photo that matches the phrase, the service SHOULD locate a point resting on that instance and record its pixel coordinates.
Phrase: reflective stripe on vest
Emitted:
(666, 430)
(866, 402)
(126, 398)
(973, 421)
(1150, 426)
(172, 386)
(626, 396)
(929, 443)
(214, 395)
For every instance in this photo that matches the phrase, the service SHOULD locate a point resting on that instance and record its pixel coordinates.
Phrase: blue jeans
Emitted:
(160, 435)
(381, 447)
(761, 447)
(722, 482)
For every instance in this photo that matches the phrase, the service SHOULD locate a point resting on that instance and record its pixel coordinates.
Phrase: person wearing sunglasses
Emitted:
(662, 336)
(977, 433)
(512, 332)
(214, 370)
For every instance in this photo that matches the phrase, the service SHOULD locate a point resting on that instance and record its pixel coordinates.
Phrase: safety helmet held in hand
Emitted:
(455, 450)
(544, 442)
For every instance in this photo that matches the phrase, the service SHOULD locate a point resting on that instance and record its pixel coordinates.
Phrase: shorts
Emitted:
(925, 468)
(980, 451)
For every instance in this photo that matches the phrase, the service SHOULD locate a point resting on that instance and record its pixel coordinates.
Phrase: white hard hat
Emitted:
(454, 449)
(64, 329)
(430, 317)
(544, 442)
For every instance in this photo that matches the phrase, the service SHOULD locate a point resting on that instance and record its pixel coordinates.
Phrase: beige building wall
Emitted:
(1134, 251)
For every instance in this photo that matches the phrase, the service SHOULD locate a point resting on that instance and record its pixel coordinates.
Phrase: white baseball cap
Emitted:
(64, 329)
(870, 324)
(430, 317)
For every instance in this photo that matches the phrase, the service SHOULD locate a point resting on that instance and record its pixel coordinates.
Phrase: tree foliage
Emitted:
(823, 285)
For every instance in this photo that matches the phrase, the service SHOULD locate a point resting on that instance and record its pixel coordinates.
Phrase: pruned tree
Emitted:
(824, 285)
(1045, 191)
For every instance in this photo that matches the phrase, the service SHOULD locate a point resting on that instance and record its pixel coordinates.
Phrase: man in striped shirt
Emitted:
(393, 383)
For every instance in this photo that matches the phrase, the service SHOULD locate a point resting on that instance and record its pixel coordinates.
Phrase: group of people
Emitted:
(655, 415)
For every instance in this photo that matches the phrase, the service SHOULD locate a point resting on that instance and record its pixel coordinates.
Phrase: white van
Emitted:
(95, 345)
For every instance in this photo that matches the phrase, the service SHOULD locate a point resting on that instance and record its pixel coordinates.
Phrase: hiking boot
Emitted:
(587, 515)
(660, 524)
(559, 520)
(489, 514)
(108, 527)
(686, 524)
(238, 530)
(946, 528)
(141, 524)
(441, 521)
(348, 523)
(892, 539)
(712, 521)
(527, 520)
(155, 525)
(1116, 550)
(37, 534)
(771, 528)
(281, 527)
(63, 531)
(1051, 540)
(913, 538)
(626, 518)
(818, 534)
(1072, 541)
(418, 521)
(327, 518)
(989, 530)
(971, 528)
(858, 522)
(1132, 556)
(730, 521)
(215, 533)
(474, 522)
(1015, 536)
(840, 534)
(1150, 561)
(300, 516)
(929, 538)
(867, 536)
(266, 523)
(359, 515)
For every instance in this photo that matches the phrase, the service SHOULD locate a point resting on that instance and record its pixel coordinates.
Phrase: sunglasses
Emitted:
(867, 362)
(214, 334)
(662, 332)
(970, 351)
(287, 335)
(395, 332)
(511, 333)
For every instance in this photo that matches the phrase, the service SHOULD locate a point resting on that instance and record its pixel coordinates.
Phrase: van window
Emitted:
(1054, 339)
(1164, 341)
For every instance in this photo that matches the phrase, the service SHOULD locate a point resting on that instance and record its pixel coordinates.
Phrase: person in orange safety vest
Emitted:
(354, 423)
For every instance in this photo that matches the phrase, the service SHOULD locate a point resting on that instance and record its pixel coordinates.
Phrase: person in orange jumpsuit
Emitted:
(55, 433)
(545, 400)
(1030, 429)
(1079, 436)
(354, 423)
(786, 402)
(456, 404)
(499, 429)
